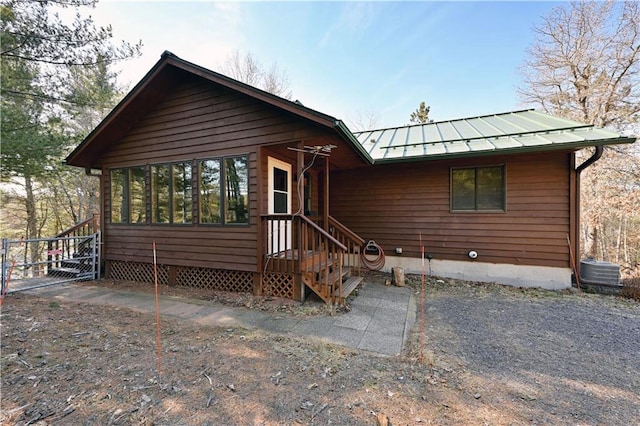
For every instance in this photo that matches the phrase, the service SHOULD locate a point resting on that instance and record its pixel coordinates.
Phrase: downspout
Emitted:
(576, 244)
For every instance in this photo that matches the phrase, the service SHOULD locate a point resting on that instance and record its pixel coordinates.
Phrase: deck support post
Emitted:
(172, 275)
(299, 169)
(298, 288)
(325, 216)
(257, 284)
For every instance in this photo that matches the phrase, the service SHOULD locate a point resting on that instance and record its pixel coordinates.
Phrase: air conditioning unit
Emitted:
(600, 272)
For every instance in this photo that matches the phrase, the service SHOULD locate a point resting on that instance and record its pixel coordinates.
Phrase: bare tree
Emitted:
(276, 81)
(247, 69)
(585, 65)
(368, 119)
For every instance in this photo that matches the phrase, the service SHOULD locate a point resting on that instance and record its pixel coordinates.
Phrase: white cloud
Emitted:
(354, 18)
(200, 32)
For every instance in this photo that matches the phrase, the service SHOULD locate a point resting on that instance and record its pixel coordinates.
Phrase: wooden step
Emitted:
(349, 285)
(318, 289)
(319, 284)
(334, 277)
(318, 266)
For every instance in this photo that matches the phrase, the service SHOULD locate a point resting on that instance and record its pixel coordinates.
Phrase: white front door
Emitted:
(279, 182)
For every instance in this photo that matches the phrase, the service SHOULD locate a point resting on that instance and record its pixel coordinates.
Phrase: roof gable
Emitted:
(151, 89)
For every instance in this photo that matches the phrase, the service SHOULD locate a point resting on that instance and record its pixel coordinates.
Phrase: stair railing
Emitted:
(65, 244)
(352, 241)
(84, 228)
(323, 266)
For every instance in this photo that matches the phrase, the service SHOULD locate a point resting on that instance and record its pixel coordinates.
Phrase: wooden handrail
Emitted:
(308, 222)
(351, 240)
(323, 232)
(348, 232)
(92, 224)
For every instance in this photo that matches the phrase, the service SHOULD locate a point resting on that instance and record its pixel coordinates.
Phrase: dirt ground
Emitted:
(79, 364)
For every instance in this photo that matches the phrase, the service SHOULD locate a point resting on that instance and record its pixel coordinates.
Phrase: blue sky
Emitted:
(349, 58)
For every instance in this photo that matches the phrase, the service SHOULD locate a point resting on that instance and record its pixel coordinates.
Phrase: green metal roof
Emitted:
(511, 132)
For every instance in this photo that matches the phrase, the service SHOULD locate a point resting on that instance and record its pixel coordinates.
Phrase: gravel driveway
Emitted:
(554, 358)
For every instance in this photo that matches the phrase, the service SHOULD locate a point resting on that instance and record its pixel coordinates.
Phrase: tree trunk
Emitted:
(619, 240)
(590, 244)
(32, 222)
(625, 248)
(601, 240)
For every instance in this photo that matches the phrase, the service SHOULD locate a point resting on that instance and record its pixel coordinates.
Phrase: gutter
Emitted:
(346, 134)
(576, 244)
(89, 172)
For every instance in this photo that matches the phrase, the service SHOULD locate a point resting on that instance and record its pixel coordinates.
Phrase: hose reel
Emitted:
(372, 256)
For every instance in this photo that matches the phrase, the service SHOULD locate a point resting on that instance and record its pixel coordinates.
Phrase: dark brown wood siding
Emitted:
(393, 204)
(197, 120)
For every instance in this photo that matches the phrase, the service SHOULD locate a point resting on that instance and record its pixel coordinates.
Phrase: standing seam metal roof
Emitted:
(518, 131)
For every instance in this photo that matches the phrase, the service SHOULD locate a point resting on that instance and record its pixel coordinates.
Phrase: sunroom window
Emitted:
(224, 190)
(209, 182)
(128, 195)
(171, 193)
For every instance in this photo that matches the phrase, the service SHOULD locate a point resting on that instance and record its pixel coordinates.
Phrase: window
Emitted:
(128, 203)
(478, 189)
(280, 190)
(171, 193)
(119, 197)
(236, 190)
(224, 190)
(210, 191)
(137, 196)
(182, 193)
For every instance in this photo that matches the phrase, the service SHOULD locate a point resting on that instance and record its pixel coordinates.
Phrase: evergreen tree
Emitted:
(38, 54)
(421, 115)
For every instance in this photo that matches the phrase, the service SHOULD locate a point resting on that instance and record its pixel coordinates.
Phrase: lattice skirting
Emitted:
(204, 278)
(215, 279)
(278, 285)
(139, 272)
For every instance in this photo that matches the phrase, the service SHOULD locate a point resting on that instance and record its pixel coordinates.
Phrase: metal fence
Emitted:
(34, 263)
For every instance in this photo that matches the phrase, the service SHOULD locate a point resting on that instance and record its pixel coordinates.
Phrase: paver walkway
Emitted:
(379, 320)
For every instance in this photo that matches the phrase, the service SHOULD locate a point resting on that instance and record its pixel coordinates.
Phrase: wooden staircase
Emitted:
(329, 279)
(327, 262)
(71, 254)
(80, 264)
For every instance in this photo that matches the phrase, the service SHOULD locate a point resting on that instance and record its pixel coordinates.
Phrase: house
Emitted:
(244, 191)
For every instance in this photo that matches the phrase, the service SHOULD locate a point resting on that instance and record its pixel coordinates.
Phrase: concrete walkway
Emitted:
(379, 321)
